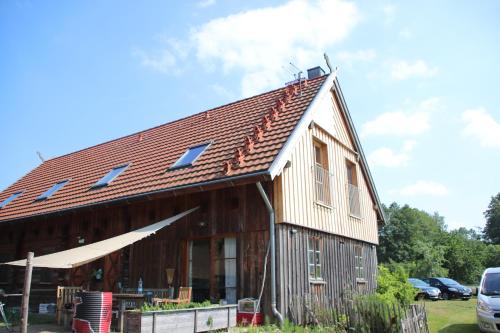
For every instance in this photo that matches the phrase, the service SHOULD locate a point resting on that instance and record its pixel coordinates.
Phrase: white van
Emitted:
(488, 301)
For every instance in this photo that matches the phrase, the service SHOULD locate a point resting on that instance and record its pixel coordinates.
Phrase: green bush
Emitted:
(393, 286)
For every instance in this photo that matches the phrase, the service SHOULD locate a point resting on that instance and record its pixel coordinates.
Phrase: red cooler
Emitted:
(246, 309)
(92, 312)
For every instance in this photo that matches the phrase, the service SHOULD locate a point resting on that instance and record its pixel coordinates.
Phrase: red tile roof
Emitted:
(246, 137)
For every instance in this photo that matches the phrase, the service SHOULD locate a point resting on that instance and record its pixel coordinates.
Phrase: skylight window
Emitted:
(9, 199)
(110, 176)
(190, 156)
(52, 190)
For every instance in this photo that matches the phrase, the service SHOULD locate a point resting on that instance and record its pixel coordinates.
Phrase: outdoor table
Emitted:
(123, 298)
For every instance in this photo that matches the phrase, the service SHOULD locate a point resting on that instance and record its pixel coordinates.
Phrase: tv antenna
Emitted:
(40, 156)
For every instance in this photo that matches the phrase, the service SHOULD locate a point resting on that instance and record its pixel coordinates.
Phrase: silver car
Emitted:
(488, 301)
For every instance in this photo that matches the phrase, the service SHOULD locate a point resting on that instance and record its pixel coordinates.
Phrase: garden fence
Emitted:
(358, 315)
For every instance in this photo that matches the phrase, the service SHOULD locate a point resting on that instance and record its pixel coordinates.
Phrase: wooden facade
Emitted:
(295, 199)
(237, 212)
(338, 276)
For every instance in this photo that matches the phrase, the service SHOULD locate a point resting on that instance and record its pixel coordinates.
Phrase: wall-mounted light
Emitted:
(293, 231)
(202, 224)
(81, 240)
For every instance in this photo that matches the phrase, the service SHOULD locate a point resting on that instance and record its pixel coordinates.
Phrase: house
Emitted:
(285, 165)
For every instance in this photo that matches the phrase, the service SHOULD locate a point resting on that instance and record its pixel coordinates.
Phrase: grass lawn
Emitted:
(454, 316)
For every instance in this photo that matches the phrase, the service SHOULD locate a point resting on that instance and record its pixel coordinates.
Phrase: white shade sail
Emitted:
(84, 254)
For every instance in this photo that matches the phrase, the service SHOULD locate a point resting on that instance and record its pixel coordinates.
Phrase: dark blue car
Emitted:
(450, 288)
(425, 290)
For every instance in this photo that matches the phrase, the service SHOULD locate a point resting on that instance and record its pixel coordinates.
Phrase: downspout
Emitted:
(272, 241)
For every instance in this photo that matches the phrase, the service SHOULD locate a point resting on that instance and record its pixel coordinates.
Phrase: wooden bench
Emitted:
(184, 297)
(65, 296)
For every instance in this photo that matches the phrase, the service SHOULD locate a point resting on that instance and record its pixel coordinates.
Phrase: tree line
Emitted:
(422, 244)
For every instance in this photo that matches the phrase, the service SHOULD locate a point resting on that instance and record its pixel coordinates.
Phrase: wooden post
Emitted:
(26, 293)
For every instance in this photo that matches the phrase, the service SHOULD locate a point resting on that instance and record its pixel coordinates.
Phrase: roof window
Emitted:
(110, 176)
(190, 156)
(52, 190)
(9, 199)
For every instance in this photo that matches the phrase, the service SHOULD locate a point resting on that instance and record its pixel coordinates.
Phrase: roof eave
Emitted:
(231, 181)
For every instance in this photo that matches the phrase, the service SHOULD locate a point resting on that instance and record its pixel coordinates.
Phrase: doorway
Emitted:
(212, 269)
(199, 269)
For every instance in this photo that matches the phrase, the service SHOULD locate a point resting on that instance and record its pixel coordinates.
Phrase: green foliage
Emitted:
(393, 286)
(421, 243)
(492, 215)
(146, 307)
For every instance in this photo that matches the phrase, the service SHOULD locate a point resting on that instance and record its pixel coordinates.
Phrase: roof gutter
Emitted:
(264, 173)
(272, 241)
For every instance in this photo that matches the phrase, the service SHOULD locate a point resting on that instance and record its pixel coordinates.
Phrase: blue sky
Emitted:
(421, 80)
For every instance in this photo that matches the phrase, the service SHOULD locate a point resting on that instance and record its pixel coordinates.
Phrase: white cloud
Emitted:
(480, 125)
(387, 157)
(205, 3)
(423, 187)
(165, 60)
(357, 56)
(259, 42)
(403, 123)
(402, 70)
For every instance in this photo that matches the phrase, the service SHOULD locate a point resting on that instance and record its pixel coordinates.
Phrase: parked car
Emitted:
(450, 288)
(488, 301)
(425, 290)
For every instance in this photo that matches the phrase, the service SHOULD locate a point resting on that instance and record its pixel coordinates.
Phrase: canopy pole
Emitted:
(26, 293)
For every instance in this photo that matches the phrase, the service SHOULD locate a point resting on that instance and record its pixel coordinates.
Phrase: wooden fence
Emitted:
(358, 315)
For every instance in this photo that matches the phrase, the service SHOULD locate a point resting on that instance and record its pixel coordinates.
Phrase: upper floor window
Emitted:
(353, 189)
(314, 258)
(359, 263)
(321, 173)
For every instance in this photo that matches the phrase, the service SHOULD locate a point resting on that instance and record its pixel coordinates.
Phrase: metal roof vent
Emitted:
(315, 72)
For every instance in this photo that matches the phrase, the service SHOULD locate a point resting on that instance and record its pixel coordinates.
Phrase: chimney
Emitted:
(315, 72)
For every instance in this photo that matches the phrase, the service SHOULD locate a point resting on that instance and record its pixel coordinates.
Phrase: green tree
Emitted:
(465, 256)
(492, 215)
(414, 238)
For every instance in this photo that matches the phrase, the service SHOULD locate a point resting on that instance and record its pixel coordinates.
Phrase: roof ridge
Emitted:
(164, 124)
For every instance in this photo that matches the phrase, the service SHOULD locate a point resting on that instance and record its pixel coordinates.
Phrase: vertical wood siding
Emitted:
(230, 212)
(337, 260)
(296, 186)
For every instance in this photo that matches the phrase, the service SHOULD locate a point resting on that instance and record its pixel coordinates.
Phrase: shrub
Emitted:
(393, 286)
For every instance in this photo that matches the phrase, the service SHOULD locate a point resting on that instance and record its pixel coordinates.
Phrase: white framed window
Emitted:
(314, 258)
(359, 263)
